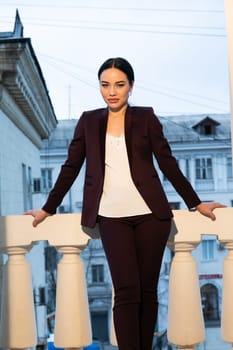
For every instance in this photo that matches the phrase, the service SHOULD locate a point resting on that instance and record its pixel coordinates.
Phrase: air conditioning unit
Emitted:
(64, 209)
(221, 246)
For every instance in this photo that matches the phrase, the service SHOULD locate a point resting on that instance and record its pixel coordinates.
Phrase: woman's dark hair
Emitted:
(119, 63)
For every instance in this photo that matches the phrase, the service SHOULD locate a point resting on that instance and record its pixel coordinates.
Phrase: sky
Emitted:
(178, 50)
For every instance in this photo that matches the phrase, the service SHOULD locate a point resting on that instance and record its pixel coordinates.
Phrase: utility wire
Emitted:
(180, 26)
(58, 68)
(179, 98)
(185, 93)
(154, 91)
(141, 84)
(148, 9)
(69, 63)
(126, 30)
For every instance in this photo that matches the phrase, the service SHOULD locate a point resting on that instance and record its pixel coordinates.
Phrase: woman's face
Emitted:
(115, 88)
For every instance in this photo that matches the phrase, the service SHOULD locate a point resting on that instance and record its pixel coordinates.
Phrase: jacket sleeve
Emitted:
(168, 163)
(69, 170)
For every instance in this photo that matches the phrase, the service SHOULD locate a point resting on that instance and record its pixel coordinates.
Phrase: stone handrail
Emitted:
(185, 320)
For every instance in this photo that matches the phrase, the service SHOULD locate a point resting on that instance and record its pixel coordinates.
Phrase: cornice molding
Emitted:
(12, 111)
(21, 75)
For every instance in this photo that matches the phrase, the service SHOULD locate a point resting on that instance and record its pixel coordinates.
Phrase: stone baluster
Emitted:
(72, 322)
(227, 293)
(17, 326)
(185, 320)
(225, 236)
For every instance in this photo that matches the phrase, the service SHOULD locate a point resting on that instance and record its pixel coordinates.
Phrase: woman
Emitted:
(123, 193)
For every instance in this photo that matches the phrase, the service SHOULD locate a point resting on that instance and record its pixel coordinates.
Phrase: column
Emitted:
(227, 293)
(185, 320)
(192, 171)
(17, 326)
(72, 321)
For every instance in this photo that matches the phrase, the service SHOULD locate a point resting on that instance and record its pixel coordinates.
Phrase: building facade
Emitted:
(202, 147)
(26, 118)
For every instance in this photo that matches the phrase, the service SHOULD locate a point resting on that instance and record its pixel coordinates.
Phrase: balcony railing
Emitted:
(185, 320)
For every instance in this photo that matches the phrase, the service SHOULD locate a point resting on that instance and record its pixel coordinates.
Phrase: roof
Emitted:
(62, 135)
(17, 31)
(177, 129)
(180, 128)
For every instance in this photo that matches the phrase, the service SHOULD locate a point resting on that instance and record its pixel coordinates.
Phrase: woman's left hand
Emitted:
(207, 208)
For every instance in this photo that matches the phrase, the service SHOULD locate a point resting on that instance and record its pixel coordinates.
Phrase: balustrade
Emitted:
(18, 327)
(72, 323)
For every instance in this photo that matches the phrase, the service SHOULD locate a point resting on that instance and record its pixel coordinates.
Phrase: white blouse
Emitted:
(120, 197)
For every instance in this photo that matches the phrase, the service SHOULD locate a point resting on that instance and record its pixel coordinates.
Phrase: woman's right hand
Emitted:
(39, 216)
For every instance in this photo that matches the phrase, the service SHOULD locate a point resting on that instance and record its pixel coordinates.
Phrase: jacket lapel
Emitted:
(128, 131)
(102, 135)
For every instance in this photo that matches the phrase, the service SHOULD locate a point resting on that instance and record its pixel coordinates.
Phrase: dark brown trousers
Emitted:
(134, 248)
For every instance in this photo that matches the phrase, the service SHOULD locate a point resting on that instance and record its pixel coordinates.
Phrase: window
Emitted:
(97, 273)
(46, 176)
(210, 307)
(27, 187)
(36, 185)
(24, 176)
(99, 323)
(229, 168)
(51, 257)
(208, 249)
(39, 296)
(204, 170)
(206, 127)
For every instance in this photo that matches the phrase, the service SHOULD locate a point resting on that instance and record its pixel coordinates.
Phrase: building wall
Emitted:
(16, 196)
(16, 150)
(26, 117)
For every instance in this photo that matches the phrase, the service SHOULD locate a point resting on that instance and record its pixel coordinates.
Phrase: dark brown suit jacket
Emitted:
(144, 138)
